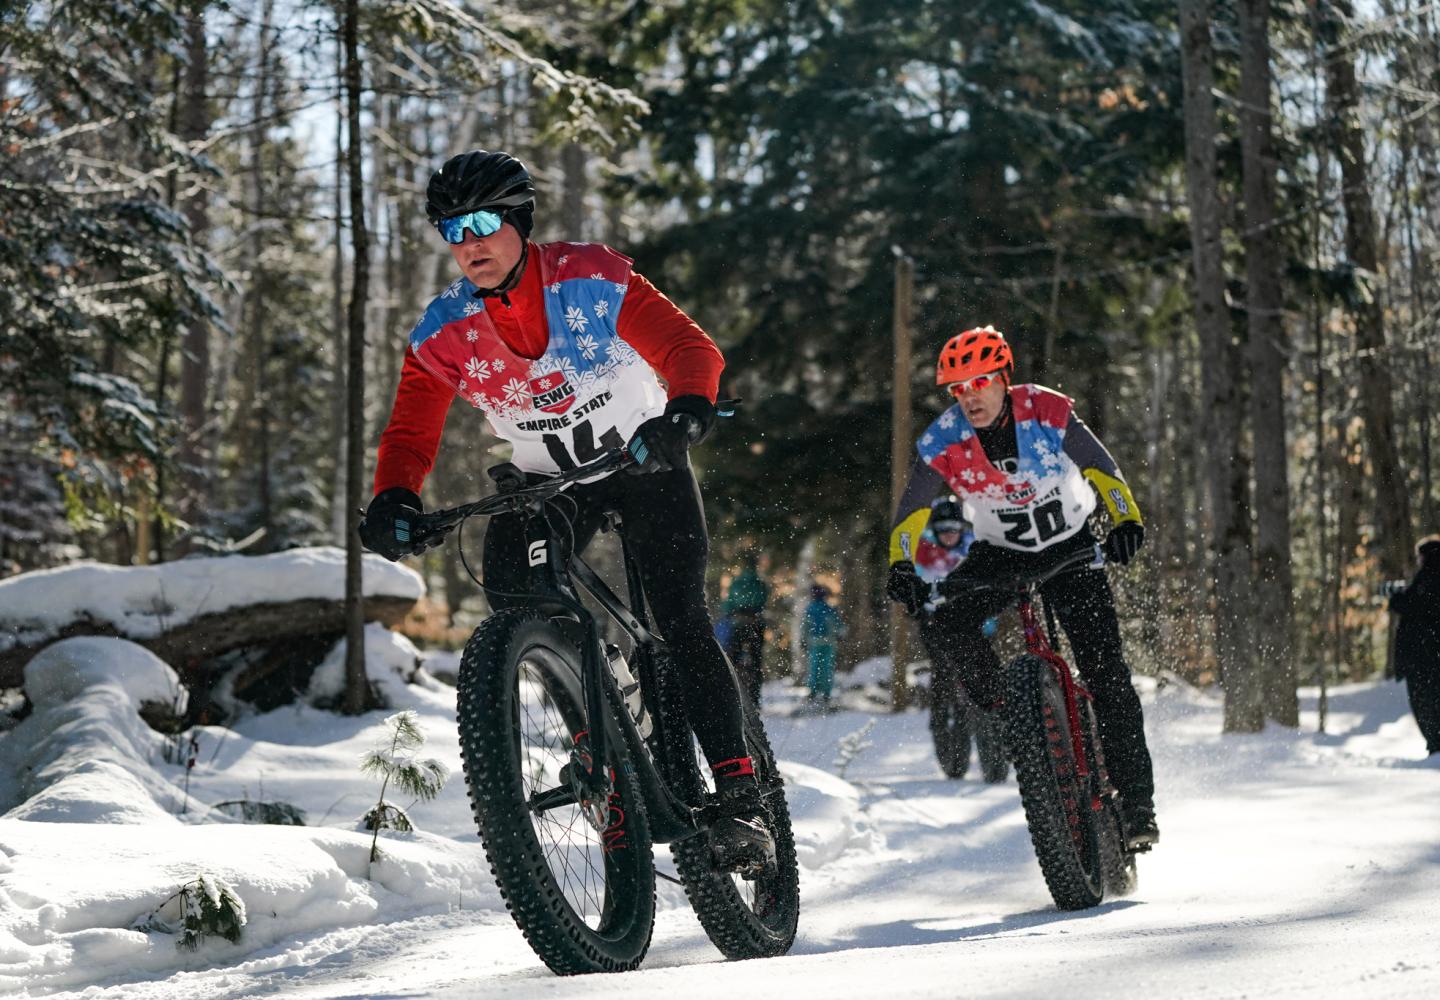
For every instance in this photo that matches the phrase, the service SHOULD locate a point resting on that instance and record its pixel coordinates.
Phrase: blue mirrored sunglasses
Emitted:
(482, 223)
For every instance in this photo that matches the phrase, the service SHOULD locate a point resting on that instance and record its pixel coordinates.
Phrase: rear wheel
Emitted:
(743, 917)
(1117, 864)
(990, 747)
(950, 725)
(579, 882)
(1063, 827)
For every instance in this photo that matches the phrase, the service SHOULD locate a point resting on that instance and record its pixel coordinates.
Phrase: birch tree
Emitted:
(1274, 603)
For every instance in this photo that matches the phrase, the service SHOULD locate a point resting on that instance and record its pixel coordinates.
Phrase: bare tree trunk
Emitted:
(615, 229)
(1418, 63)
(356, 685)
(1392, 501)
(340, 507)
(857, 600)
(167, 342)
(1244, 692)
(193, 456)
(572, 204)
(1158, 567)
(257, 348)
(1274, 596)
(381, 218)
(1355, 660)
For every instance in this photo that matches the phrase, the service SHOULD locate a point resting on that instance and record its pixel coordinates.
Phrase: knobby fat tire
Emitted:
(488, 713)
(738, 929)
(994, 758)
(950, 730)
(1055, 802)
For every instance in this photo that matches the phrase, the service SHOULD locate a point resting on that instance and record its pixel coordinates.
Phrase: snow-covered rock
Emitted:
(84, 755)
(72, 667)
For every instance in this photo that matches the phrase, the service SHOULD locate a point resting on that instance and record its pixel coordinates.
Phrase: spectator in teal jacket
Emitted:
(823, 628)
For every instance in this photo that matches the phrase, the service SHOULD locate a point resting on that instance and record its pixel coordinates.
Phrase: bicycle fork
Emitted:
(1043, 646)
(588, 775)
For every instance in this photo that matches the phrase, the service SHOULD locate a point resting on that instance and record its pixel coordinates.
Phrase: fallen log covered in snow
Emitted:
(193, 610)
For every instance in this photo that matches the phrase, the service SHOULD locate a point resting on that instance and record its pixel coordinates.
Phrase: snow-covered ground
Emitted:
(1291, 864)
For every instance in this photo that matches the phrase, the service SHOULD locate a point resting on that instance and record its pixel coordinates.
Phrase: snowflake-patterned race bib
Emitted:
(1044, 499)
(586, 394)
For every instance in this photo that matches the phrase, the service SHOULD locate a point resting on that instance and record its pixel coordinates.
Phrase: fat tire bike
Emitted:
(1072, 810)
(578, 762)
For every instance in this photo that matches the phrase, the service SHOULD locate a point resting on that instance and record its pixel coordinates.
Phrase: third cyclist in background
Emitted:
(744, 606)
(1023, 466)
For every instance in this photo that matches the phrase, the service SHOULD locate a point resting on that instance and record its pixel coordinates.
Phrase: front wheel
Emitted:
(1057, 803)
(743, 917)
(579, 882)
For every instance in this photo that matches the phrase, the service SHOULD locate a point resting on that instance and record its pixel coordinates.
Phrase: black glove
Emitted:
(663, 443)
(1124, 541)
(905, 587)
(388, 522)
(698, 407)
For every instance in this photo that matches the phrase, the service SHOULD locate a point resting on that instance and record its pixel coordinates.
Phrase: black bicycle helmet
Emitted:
(947, 514)
(478, 179)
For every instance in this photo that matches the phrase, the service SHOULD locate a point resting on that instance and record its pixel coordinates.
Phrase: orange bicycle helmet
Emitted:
(981, 351)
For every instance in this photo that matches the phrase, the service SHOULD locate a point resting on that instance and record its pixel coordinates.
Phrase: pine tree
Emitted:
(395, 762)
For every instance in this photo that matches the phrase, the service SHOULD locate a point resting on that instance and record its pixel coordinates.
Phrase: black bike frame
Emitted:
(671, 819)
(554, 576)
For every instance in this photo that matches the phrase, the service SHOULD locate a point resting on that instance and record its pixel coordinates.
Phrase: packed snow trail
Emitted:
(1290, 864)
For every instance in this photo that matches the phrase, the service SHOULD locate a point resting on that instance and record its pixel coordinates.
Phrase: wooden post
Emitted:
(144, 520)
(901, 448)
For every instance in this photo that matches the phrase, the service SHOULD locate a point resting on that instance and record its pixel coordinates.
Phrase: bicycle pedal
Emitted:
(750, 868)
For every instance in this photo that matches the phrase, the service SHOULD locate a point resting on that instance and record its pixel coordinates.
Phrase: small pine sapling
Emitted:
(851, 746)
(208, 907)
(395, 761)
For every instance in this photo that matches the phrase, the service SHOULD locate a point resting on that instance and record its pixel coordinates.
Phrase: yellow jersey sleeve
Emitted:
(1117, 496)
(906, 535)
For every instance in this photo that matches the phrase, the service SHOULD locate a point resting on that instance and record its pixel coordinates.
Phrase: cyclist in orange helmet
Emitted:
(1027, 471)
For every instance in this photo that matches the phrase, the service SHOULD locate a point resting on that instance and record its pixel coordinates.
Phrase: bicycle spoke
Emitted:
(569, 841)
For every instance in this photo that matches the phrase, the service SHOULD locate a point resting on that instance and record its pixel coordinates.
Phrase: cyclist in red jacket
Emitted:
(558, 345)
(1024, 466)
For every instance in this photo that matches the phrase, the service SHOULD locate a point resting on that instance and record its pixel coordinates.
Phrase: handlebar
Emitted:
(429, 530)
(947, 589)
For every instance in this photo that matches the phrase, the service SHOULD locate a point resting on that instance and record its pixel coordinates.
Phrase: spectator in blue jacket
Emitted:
(823, 628)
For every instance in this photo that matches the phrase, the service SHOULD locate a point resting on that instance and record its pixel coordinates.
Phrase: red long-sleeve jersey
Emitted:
(670, 342)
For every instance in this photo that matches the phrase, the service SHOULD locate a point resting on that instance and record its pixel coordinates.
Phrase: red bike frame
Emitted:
(1038, 644)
